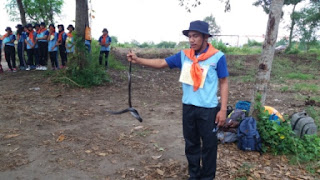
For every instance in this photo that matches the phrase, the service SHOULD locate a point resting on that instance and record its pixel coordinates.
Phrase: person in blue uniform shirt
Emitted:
(9, 49)
(21, 36)
(62, 37)
(31, 44)
(104, 41)
(53, 46)
(203, 72)
(42, 40)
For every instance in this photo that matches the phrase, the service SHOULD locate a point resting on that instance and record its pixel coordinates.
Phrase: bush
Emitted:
(83, 67)
(252, 43)
(293, 50)
(280, 139)
(219, 45)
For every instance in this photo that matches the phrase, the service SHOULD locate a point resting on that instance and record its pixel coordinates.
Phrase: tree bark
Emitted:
(293, 23)
(82, 19)
(265, 62)
(22, 12)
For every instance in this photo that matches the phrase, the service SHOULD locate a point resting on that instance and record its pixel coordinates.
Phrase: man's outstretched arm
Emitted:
(154, 63)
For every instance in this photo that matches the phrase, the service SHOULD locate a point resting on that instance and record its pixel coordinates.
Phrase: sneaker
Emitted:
(28, 68)
(44, 68)
(38, 68)
(14, 70)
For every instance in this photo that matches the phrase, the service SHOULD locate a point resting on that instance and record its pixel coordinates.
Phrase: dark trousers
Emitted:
(198, 125)
(43, 53)
(10, 54)
(21, 54)
(63, 55)
(36, 56)
(54, 59)
(106, 54)
(30, 53)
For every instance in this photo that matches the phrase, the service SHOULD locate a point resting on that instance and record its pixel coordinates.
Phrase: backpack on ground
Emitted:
(248, 135)
(244, 105)
(303, 124)
(228, 132)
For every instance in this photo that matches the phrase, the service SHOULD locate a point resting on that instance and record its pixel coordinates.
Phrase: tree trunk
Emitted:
(22, 12)
(265, 62)
(82, 19)
(50, 17)
(293, 23)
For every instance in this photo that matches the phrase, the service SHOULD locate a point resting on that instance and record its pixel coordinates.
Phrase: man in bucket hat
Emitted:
(203, 70)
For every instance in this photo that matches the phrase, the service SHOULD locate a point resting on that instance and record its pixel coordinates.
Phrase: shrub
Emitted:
(83, 67)
(280, 139)
(252, 43)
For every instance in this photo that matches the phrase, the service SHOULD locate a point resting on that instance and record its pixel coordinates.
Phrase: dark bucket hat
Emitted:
(62, 26)
(52, 25)
(29, 25)
(8, 28)
(199, 26)
(36, 25)
(19, 26)
(70, 26)
(105, 30)
(42, 24)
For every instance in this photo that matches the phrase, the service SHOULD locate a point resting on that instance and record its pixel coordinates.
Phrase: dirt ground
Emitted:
(51, 131)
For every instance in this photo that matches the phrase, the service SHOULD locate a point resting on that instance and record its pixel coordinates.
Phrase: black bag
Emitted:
(303, 124)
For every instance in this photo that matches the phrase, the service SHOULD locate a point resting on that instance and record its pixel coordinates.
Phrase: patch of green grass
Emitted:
(306, 87)
(299, 76)
(284, 89)
(249, 77)
(303, 98)
(238, 64)
(115, 64)
(280, 68)
(243, 50)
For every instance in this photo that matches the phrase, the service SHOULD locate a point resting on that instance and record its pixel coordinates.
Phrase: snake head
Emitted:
(135, 114)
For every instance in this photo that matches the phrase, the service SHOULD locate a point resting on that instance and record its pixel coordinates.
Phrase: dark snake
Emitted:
(133, 112)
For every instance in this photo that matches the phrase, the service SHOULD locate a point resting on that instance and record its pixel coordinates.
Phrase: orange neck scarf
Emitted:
(6, 35)
(60, 36)
(196, 72)
(52, 30)
(31, 36)
(104, 37)
(41, 30)
(70, 34)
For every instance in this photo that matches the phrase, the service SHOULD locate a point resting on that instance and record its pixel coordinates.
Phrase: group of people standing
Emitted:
(41, 43)
(38, 41)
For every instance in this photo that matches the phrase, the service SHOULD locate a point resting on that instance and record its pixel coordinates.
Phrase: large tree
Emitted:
(82, 17)
(266, 59)
(34, 10)
(308, 22)
(265, 4)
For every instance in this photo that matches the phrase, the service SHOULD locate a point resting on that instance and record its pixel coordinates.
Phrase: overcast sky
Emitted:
(163, 20)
